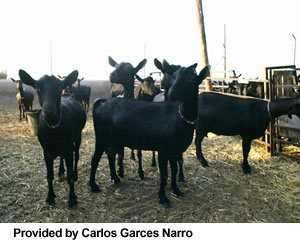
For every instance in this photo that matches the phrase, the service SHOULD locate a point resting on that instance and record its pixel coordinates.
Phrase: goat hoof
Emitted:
(205, 164)
(141, 175)
(50, 201)
(178, 193)
(117, 180)
(72, 203)
(95, 188)
(247, 169)
(181, 179)
(61, 177)
(165, 202)
(121, 174)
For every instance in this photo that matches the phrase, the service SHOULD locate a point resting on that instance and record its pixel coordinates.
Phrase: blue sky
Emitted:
(85, 33)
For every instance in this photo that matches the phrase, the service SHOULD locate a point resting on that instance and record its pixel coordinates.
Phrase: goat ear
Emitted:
(203, 74)
(139, 78)
(140, 65)
(112, 62)
(71, 78)
(194, 65)
(167, 68)
(158, 64)
(27, 79)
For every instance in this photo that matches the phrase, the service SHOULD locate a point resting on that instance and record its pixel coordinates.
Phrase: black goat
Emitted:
(146, 91)
(122, 79)
(81, 93)
(166, 127)
(60, 125)
(24, 98)
(123, 75)
(229, 115)
(166, 82)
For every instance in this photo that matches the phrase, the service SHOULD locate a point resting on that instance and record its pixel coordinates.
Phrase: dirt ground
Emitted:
(220, 193)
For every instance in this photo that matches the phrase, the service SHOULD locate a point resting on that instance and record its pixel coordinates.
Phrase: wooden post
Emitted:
(203, 40)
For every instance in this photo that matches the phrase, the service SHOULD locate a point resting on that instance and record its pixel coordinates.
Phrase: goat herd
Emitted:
(144, 119)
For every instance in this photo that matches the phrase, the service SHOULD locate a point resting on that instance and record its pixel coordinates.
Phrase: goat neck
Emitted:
(185, 91)
(129, 90)
(188, 110)
(284, 106)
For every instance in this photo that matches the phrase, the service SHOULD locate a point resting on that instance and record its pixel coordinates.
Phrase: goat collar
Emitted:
(268, 108)
(184, 119)
(55, 125)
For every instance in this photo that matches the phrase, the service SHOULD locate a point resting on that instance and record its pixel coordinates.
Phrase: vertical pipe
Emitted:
(267, 137)
(294, 49)
(272, 128)
(203, 40)
(224, 46)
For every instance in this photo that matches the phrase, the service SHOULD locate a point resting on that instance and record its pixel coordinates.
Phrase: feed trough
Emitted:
(33, 120)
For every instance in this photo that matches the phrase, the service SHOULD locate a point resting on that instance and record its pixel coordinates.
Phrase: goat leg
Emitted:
(50, 176)
(94, 164)
(180, 162)
(20, 108)
(77, 146)
(88, 106)
(153, 164)
(61, 169)
(173, 163)
(246, 149)
(112, 166)
(120, 162)
(70, 179)
(140, 170)
(198, 141)
(163, 169)
(132, 155)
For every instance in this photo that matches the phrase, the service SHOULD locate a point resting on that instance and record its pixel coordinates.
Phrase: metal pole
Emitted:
(203, 40)
(224, 45)
(294, 49)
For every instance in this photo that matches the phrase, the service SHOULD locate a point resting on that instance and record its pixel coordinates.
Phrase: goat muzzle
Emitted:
(52, 116)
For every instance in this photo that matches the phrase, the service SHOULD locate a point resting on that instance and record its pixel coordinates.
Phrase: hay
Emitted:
(221, 193)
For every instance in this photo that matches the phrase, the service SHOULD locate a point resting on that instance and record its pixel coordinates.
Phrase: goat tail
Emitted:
(98, 102)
